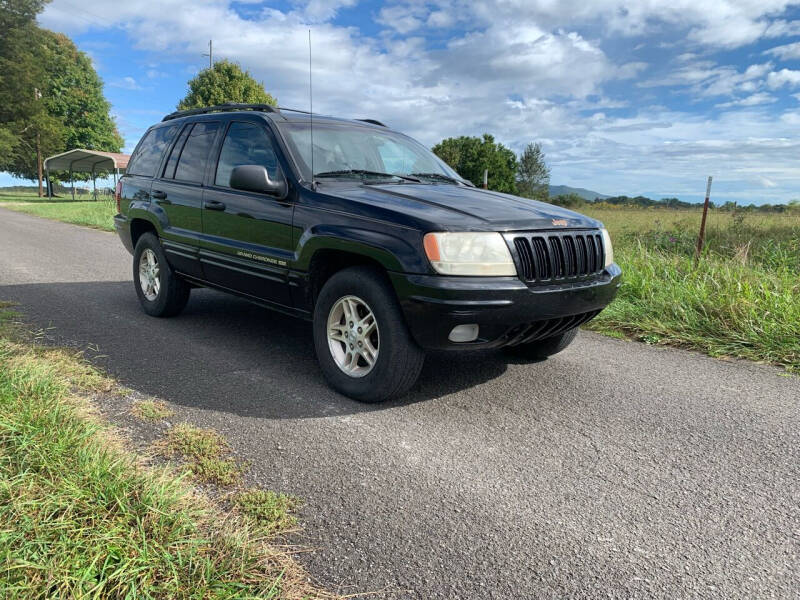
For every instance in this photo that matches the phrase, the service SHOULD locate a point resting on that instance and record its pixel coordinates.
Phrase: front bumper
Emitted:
(506, 309)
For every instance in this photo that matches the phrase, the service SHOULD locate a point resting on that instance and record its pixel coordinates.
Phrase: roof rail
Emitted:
(373, 121)
(228, 106)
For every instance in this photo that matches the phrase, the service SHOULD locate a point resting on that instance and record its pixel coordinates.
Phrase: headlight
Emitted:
(469, 254)
(609, 250)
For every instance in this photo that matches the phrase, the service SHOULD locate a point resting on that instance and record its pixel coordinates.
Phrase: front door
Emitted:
(247, 237)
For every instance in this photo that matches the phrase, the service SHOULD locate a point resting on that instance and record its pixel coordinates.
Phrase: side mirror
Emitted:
(255, 178)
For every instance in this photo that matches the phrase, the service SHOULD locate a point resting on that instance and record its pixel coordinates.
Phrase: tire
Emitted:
(541, 349)
(169, 295)
(398, 360)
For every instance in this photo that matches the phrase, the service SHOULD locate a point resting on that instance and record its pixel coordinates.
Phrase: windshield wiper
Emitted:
(443, 177)
(364, 172)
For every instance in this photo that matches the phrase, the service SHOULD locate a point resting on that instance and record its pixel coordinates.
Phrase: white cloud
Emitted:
(324, 10)
(786, 52)
(127, 83)
(781, 28)
(705, 78)
(778, 79)
(753, 100)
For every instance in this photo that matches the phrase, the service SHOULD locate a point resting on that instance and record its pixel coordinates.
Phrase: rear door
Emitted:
(143, 165)
(179, 194)
(247, 236)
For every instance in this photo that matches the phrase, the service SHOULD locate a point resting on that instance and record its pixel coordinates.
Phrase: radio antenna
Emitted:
(311, 113)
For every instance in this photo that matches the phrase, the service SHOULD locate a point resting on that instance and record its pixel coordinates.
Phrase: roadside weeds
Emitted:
(82, 516)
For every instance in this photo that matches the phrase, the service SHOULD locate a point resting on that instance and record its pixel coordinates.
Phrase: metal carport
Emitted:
(85, 161)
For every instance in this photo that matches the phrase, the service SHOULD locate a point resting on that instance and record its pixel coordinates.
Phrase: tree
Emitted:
(470, 156)
(224, 82)
(51, 98)
(533, 174)
(74, 94)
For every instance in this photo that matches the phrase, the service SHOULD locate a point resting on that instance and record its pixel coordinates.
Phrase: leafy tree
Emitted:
(20, 72)
(533, 174)
(224, 82)
(51, 98)
(469, 156)
(74, 95)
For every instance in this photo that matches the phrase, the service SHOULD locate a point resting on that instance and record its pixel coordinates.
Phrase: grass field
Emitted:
(742, 299)
(98, 215)
(82, 517)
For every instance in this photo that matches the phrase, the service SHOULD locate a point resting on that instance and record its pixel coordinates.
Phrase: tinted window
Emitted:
(192, 162)
(245, 144)
(148, 156)
(169, 170)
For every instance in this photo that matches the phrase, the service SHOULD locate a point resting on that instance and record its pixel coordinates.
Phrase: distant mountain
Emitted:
(556, 190)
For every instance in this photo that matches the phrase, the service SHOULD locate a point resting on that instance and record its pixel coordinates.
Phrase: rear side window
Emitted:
(169, 169)
(192, 162)
(148, 156)
(245, 144)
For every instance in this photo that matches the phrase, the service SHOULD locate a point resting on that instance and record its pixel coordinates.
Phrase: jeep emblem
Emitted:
(559, 222)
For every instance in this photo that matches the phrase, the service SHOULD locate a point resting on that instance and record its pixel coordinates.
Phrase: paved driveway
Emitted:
(614, 469)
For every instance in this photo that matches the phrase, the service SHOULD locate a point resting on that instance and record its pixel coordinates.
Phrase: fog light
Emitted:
(464, 333)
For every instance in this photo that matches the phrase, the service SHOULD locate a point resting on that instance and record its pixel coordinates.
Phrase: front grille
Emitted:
(539, 330)
(559, 255)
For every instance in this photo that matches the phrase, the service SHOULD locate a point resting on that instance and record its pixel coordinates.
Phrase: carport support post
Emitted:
(72, 183)
(94, 184)
(49, 189)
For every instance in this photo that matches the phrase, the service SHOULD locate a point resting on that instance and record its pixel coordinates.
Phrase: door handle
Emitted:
(158, 194)
(214, 205)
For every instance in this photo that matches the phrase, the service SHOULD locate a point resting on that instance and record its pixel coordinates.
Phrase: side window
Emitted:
(148, 156)
(245, 144)
(172, 162)
(192, 161)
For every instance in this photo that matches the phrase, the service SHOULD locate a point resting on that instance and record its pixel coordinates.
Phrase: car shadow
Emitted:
(222, 353)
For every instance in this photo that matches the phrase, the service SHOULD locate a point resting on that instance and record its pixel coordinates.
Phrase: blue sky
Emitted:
(645, 97)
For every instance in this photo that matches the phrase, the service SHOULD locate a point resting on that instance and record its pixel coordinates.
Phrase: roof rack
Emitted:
(373, 121)
(228, 106)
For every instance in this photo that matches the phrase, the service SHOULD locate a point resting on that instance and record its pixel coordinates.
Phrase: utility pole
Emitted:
(210, 54)
(486, 179)
(37, 95)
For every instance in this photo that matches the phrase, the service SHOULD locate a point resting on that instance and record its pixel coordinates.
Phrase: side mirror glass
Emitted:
(255, 178)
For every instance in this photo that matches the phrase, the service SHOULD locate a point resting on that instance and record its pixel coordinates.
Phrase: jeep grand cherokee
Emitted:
(363, 231)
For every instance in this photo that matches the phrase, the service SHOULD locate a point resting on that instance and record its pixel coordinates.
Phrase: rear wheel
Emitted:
(161, 292)
(541, 349)
(363, 345)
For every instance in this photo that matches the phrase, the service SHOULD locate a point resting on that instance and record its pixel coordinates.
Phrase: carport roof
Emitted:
(86, 161)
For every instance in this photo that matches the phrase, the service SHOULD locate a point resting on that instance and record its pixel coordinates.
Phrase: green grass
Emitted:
(82, 518)
(205, 453)
(741, 300)
(151, 410)
(98, 215)
(268, 509)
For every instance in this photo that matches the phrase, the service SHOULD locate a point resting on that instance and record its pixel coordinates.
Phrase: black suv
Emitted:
(370, 235)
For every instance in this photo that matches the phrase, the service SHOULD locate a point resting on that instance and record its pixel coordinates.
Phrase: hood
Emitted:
(459, 208)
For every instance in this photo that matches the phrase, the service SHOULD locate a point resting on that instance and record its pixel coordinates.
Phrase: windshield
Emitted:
(350, 151)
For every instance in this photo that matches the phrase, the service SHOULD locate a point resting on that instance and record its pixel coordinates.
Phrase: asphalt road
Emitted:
(615, 469)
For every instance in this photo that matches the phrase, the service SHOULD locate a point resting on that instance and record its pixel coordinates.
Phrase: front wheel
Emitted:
(161, 292)
(363, 345)
(541, 349)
